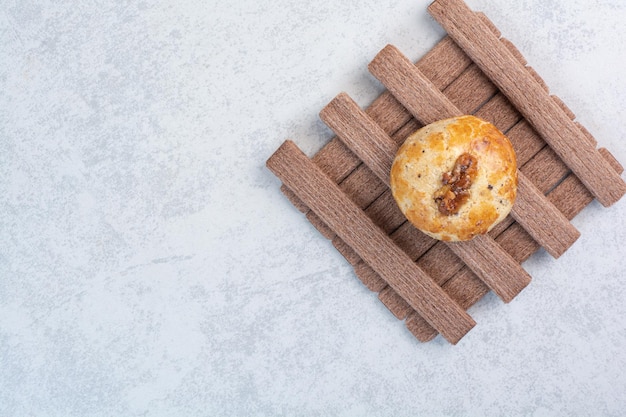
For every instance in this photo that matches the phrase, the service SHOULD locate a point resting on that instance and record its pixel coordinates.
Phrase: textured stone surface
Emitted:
(149, 264)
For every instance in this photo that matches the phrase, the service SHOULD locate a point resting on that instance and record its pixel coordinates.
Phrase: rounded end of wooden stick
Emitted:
(382, 59)
(339, 101)
(419, 328)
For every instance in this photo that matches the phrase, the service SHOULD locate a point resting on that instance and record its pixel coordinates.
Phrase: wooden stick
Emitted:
(395, 303)
(357, 183)
(428, 104)
(527, 136)
(442, 65)
(545, 169)
(411, 87)
(484, 257)
(361, 134)
(349, 222)
(446, 66)
(385, 213)
(570, 197)
(440, 264)
(544, 222)
(492, 27)
(471, 88)
(413, 242)
(369, 277)
(361, 184)
(513, 79)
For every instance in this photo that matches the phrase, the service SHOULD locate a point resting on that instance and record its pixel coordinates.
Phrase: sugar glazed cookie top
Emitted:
(455, 178)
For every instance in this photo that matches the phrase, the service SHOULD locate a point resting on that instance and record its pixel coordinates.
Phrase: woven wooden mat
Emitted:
(343, 189)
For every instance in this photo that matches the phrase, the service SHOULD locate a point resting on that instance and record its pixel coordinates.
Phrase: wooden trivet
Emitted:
(343, 189)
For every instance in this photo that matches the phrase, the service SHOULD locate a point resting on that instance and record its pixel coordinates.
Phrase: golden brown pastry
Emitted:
(455, 178)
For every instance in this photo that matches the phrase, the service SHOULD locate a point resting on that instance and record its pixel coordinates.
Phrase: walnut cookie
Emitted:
(455, 178)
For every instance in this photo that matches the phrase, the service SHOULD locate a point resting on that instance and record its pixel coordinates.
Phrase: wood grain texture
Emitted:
(385, 213)
(411, 240)
(525, 141)
(377, 150)
(546, 224)
(487, 22)
(471, 91)
(293, 199)
(361, 134)
(443, 63)
(493, 266)
(388, 112)
(349, 222)
(530, 98)
(336, 160)
(608, 156)
(419, 327)
(382, 208)
(513, 50)
(363, 186)
(427, 104)
(570, 196)
(394, 303)
(545, 169)
(369, 277)
(410, 86)
(346, 251)
(441, 262)
(321, 227)
(500, 112)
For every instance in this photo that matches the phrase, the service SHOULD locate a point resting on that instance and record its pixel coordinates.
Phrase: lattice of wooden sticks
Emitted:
(343, 189)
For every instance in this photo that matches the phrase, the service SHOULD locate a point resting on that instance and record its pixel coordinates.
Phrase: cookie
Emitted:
(456, 178)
